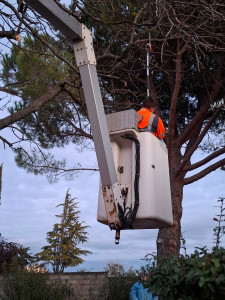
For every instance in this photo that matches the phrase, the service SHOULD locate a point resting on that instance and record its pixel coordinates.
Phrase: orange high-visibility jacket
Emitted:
(153, 124)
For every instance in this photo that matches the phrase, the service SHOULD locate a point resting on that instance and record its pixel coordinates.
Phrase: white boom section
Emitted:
(82, 40)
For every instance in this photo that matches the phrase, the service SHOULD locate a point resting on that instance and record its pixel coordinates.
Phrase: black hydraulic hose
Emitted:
(129, 220)
(137, 176)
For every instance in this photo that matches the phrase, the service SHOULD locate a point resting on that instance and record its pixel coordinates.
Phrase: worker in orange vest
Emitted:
(151, 122)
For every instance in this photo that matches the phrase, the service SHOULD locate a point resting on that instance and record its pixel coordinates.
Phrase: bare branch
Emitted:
(6, 142)
(205, 160)
(205, 172)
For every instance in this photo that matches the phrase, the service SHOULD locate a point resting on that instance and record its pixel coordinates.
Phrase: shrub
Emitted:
(200, 276)
(119, 287)
(24, 285)
(10, 251)
(119, 282)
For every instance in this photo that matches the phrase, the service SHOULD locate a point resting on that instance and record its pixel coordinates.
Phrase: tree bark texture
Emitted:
(168, 240)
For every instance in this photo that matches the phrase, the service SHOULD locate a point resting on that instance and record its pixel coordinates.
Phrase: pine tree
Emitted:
(63, 250)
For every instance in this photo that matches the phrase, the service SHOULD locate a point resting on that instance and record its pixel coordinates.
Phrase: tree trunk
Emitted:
(168, 240)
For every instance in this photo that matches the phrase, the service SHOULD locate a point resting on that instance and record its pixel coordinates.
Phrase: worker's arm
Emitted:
(160, 129)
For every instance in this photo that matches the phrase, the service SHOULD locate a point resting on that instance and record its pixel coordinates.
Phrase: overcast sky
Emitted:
(29, 202)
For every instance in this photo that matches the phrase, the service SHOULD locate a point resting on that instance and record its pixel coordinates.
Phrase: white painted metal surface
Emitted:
(123, 152)
(155, 209)
(84, 49)
(127, 119)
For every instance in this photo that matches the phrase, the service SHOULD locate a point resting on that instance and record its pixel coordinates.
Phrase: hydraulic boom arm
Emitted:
(82, 40)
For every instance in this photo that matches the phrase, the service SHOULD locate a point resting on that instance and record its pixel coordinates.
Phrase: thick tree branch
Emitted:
(204, 172)
(37, 103)
(10, 35)
(174, 99)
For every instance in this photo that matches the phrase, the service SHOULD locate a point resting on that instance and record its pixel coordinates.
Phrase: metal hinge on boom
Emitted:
(113, 196)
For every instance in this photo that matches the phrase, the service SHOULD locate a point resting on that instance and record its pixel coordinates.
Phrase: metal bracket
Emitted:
(112, 196)
(84, 51)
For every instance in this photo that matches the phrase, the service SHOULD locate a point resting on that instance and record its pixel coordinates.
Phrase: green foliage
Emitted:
(114, 269)
(63, 250)
(33, 66)
(32, 69)
(10, 251)
(33, 162)
(119, 287)
(18, 284)
(119, 281)
(219, 230)
(200, 276)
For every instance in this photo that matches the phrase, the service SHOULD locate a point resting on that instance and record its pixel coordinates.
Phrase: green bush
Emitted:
(10, 251)
(119, 281)
(18, 284)
(200, 276)
(119, 287)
